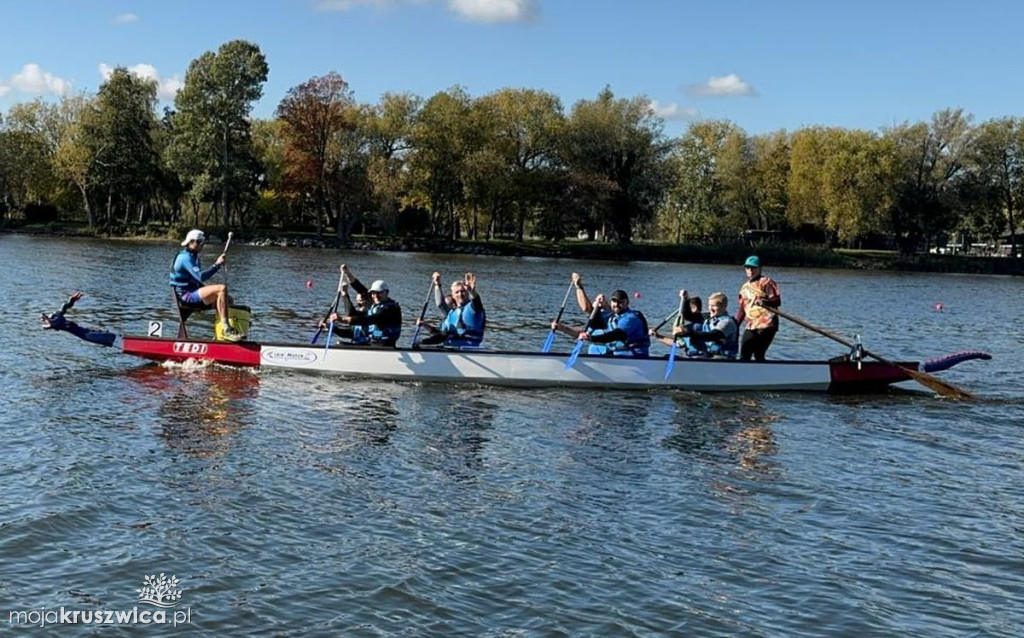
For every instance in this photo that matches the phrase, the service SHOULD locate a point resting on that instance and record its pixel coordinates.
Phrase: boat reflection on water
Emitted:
(731, 432)
(454, 426)
(204, 405)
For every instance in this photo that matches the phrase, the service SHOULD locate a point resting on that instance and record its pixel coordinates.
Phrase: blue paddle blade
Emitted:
(316, 336)
(671, 360)
(575, 353)
(548, 342)
(327, 341)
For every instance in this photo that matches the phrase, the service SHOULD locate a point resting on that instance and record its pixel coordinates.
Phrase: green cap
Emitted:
(752, 262)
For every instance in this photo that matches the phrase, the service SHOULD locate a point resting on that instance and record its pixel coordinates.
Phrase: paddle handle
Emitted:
(667, 319)
(551, 335)
(331, 310)
(423, 313)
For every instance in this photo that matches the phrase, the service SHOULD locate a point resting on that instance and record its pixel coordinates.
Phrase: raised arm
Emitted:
(581, 295)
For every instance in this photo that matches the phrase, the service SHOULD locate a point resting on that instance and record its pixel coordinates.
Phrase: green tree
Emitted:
(854, 180)
(388, 126)
(120, 138)
(621, 141)
(27, 145)
(442, 137)
(211, 144)
(694, 199)
(518, 155)
(996, 164)
(929, 170)
(74, 158)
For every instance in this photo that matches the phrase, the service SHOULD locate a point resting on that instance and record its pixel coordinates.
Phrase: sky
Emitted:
(765, 65)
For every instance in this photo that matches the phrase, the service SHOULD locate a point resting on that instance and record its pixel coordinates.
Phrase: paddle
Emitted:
(675, 341)
(929, 381)
(330, 311)
(576, 349)
(666, 320)
(227, 245)
(551, 335)
(423, 313)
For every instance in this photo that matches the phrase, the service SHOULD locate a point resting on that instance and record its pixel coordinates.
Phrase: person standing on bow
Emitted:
(618, 331)
(189, 282)
(382, 321)
(465, 320)
(757, 295)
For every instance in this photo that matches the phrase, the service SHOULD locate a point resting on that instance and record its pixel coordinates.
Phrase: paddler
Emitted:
(465, 318)
(761, 324)
(56, 321)
(614, 329)
(189, 282)
(381, 323)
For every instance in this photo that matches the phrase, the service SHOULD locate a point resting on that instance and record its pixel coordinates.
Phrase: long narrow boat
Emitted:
(532, 369)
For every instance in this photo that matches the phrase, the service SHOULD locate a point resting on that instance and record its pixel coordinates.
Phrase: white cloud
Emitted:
(126, 18)
(489, 11)
(495, 11)
(32, 79)
(725, 86)
(674, 112)
(166, 88)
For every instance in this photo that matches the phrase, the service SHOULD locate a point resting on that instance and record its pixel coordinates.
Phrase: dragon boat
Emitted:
(844, 374)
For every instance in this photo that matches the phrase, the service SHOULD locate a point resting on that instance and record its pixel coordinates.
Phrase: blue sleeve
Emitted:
(186, 266)
(209, 272)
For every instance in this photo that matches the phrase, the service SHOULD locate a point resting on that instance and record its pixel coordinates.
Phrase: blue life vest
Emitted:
(726, 324)
(464, 326)
(637, 342)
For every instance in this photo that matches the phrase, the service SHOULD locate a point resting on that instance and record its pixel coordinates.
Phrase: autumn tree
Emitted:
(316, 115)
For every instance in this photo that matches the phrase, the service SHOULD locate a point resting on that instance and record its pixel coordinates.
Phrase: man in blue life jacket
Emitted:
(717, 336)
(465, 321)
(381, 323)
(189, 282)
(617, 331)
(56, 321)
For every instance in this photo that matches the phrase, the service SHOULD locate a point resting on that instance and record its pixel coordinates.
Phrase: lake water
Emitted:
(298, 505)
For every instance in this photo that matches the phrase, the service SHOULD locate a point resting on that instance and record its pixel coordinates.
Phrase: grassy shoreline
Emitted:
(773, 254)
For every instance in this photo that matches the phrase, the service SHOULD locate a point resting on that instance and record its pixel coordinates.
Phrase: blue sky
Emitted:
(763, 64)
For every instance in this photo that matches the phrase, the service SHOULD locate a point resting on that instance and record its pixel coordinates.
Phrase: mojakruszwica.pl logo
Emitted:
(159, 591)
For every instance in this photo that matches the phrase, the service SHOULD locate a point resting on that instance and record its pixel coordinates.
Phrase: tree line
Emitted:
(511, 164)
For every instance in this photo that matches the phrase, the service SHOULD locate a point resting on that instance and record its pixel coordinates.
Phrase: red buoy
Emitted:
(309, 283)
(938, 307)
